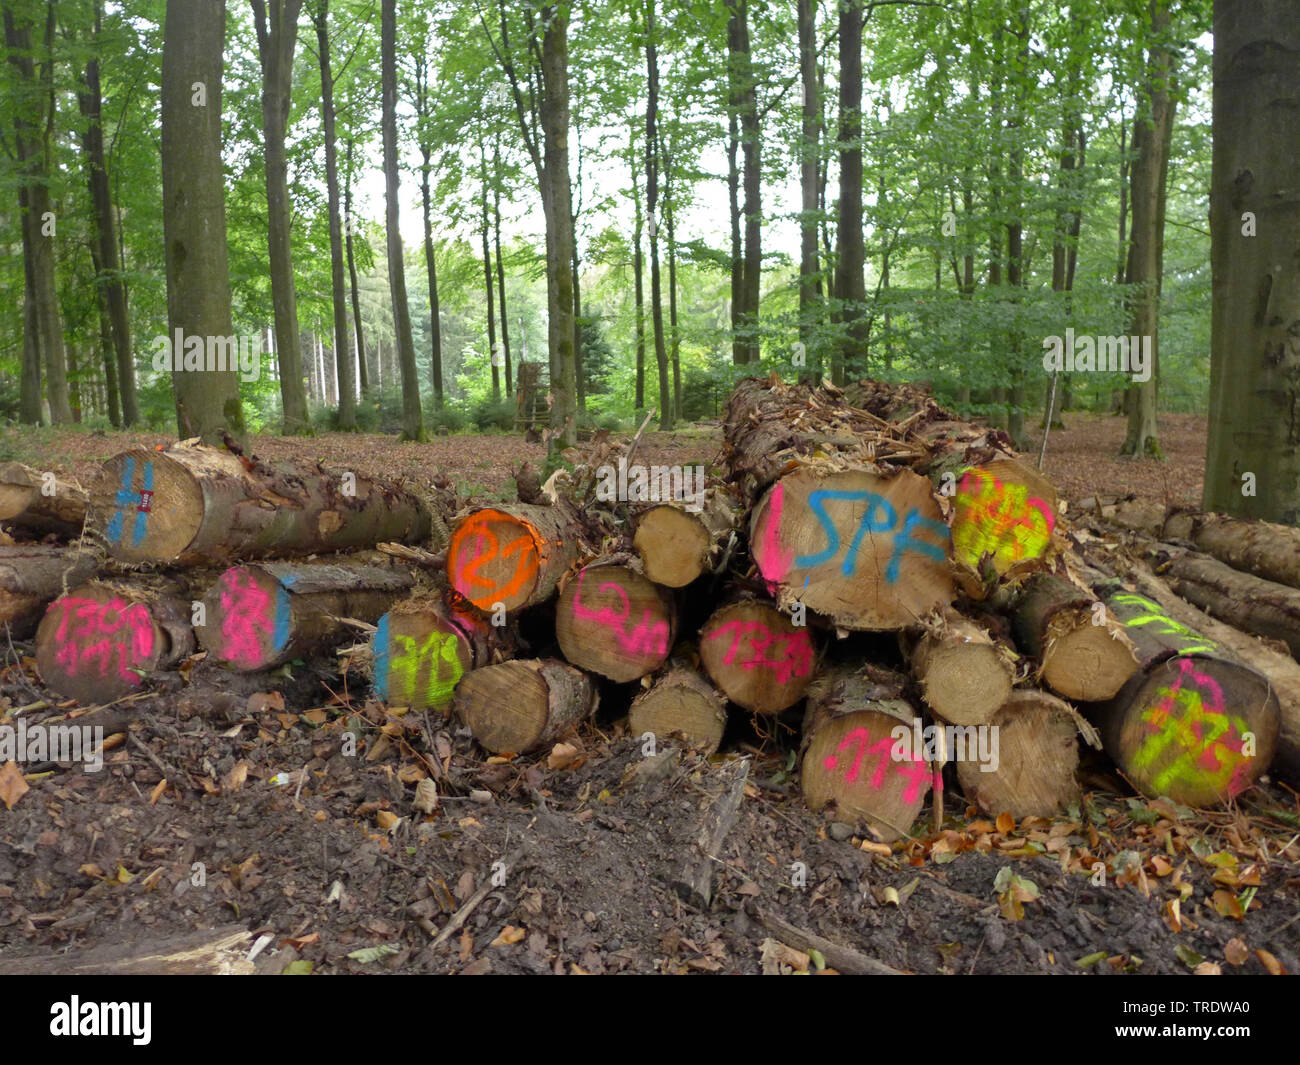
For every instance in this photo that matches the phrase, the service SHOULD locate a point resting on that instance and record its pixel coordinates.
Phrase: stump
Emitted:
(1194, 724)
(863, 550)
(757, 655)
(31, 500)
(421, 649)
(191, 504)
(678, 545)
(965, 676)
(512, 556)
(33, 577)
(612, 621)
(98, 642)
(265, 614)
(680, 703)
(1003, 517)
(525, 705)
(858, 756)
(1032, 744)
(1082, 651)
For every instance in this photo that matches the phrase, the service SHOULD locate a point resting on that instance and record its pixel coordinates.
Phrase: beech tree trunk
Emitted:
(343, 361)
(757, 656)
(613, 621)
(363, 373)
(965, 676)
(263, 615)
(525, 705)
(850, 257)
(188, 505)
(652, 210)
(98, 642)
(847, 759)
(194, 214)
(678, 545)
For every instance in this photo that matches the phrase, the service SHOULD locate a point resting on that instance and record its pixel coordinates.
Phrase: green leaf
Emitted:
(301, 967)
(1187, 956)
(368, 955)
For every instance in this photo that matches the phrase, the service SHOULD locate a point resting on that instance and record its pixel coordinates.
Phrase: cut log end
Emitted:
(520, 706)
(419, 658)
(1003, 512)
(1085, 661)
(1196, 728)
(865, 551)
(680, 704)
(965, 677)
(248, 619)
(149, 506)
(508, 559)
(98, 642)
(757, 656)
(612, 621)
(673, 544)
(1026, 767)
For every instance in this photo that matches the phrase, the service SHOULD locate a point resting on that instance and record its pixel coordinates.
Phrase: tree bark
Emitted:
(33, 124)
(850, 258)
(1255, 338)
(344, 366)
(277, 39)
(262, 615)
(652, 206)
(494, 356)
(964, 675)
(192, 504)
(363, 374)
(639, 283)
(501, 267)
(1152, 135)
(31, 502)
(121, 379)
(1246, 602)
(31, 577)
(412, 414)
(194, 215)
(810, 286)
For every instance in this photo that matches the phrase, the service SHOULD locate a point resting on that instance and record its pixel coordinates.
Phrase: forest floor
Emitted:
(265, 824)
(1082, 459)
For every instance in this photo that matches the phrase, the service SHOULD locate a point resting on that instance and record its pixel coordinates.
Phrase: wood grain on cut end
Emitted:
(680, 703)
(614, 622)
(758, 657)
(965, 677)
(673, 544)
(1035, 739)
(1003, 512)
(419, 656)
(524, 705)
(864, 550)
(148, 506)
(512, 556)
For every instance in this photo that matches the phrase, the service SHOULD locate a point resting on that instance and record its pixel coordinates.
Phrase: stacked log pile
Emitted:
(864, 571)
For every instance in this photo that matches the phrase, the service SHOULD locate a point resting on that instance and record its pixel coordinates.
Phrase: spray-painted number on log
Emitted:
(1189, 716)
(131, 505)
(647, 637)
(479, 589)
(1187, 641)
(99, 637)
(792, 654)
(250, 619)
(914, 771)
(999, 519)
(400, 661)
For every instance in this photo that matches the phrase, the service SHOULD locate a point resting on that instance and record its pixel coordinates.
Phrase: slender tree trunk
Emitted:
(557, 204)
(639, 286)
(363, 374)
(347, 397)
(485, 232)
(850, 259)
(277, 40)
(744, 101)
(810, 287)
(673, 334)
(106, 350)
(1151, 140)
(412, 415)
(33, 122)
(501, 266)
(652, 208)
(122, 385)
(1255, 222)
(29, 379)
(194, 215)
(1015, 234)
(579, 370)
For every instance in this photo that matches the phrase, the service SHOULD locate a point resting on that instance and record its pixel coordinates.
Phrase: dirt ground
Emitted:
(269, 821)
